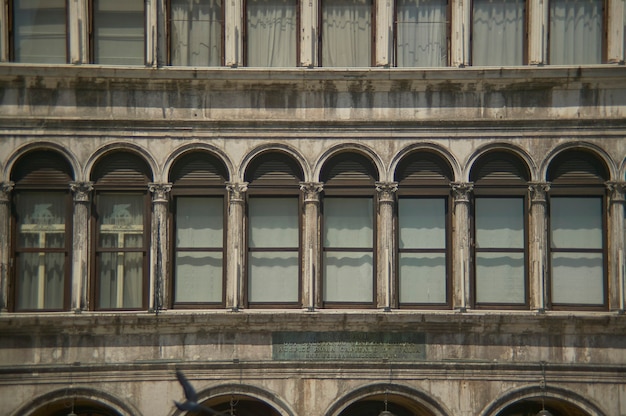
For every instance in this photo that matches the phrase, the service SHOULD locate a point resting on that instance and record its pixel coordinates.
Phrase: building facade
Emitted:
(324, 208)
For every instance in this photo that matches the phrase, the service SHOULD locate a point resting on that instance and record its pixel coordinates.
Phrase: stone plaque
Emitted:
(348, 346)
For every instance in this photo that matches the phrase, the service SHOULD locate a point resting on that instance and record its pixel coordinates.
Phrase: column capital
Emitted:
(617, 191)
(81, 191)
(5, 190)
(538, 191)
(236, 191)
(311, 191)
(462, 191)
(386, 191)
(159, 191)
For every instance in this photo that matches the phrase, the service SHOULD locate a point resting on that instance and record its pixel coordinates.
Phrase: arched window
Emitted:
(198, 190)
(122, 224)
(273, 224)
(349, 225)
(577, 206)
(500, 216)
(42, 231)
(423, 216)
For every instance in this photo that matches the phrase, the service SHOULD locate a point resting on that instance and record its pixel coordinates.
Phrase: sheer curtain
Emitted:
(271, 33)
(422, 33)
(422, 250)
(118, 32)
(346, 33)
(41, 273)
(199, 246)
(575, 32)
(273, 241)
(196, 32)
(121, 271)
(39, 28)
(498, 32)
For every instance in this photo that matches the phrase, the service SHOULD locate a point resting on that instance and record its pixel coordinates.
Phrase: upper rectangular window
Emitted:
(39, 31)
(271, 33)
(421, 33)
(346, 33)
(118, 32)
(498, 32)
(576, 32)
(196, 33)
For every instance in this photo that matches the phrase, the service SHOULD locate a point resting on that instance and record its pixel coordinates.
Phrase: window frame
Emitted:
(169, 35)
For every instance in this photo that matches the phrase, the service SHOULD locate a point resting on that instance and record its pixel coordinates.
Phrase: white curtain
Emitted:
(273, 261)
(498, 32)
(196, 32)
(40, 224)
(271, 33)
(39, 28)
(422, 33)
(346, 33)
(118, 32)
(199, 229)
(121, 219)
(422, 229)
(576, 32)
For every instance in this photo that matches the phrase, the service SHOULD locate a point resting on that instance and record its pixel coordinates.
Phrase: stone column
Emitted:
(4, 41)
(159, 237)
(537, 31)
(460, 33)
(311, 296)
(77, 27)
(235, 244)
(233, 40)
(308, 33)
(161, 36)
(538, 245)
(615, 39)
(461, 253)
(151, 32)
(615, 238)
(385, 247)
(5, 216)
(80, 245)
(384, 32)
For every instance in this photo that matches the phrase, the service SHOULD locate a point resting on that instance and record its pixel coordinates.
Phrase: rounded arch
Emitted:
(211, 395)
(552, 396)
(279, 148)
(431, 148)
(347, 148)
(89, 396)
(192, 148)
(37, 146)
(408, 398)
(521, 154)
(589, 148)
(123, 147)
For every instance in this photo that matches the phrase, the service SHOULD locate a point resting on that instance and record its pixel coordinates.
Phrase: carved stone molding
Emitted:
(462, 191)
(5, 191)
(81, 191)
(617, 191)
(386, 191)
(160, 192)
(236, 192)
(311, 191)
(538, 191)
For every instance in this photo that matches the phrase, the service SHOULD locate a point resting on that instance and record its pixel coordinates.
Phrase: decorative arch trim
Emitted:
(582, 146)
(182, 151)
(520, 153)
(349, 147)
(36, 146)
(279, 148)
(124, 147)
(432, 148)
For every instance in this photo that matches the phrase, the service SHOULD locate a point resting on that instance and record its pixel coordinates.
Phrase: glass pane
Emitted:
(198, 277)
(498, 32)
(346, 33)
(40, 280)
(348, 277)
(575, 32)
(422, 31)
(39, 29)
(576, 222)
(422, 277)
(273, 222)
(271, 33)
(121, 220)
(199, 222)
(500, 278)
(422, 222)
(41, 219)
(578, 278)
(499, 222)
(120, 283)
(196, 32)
(118, 32)
(348, 222)
(273, 277)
